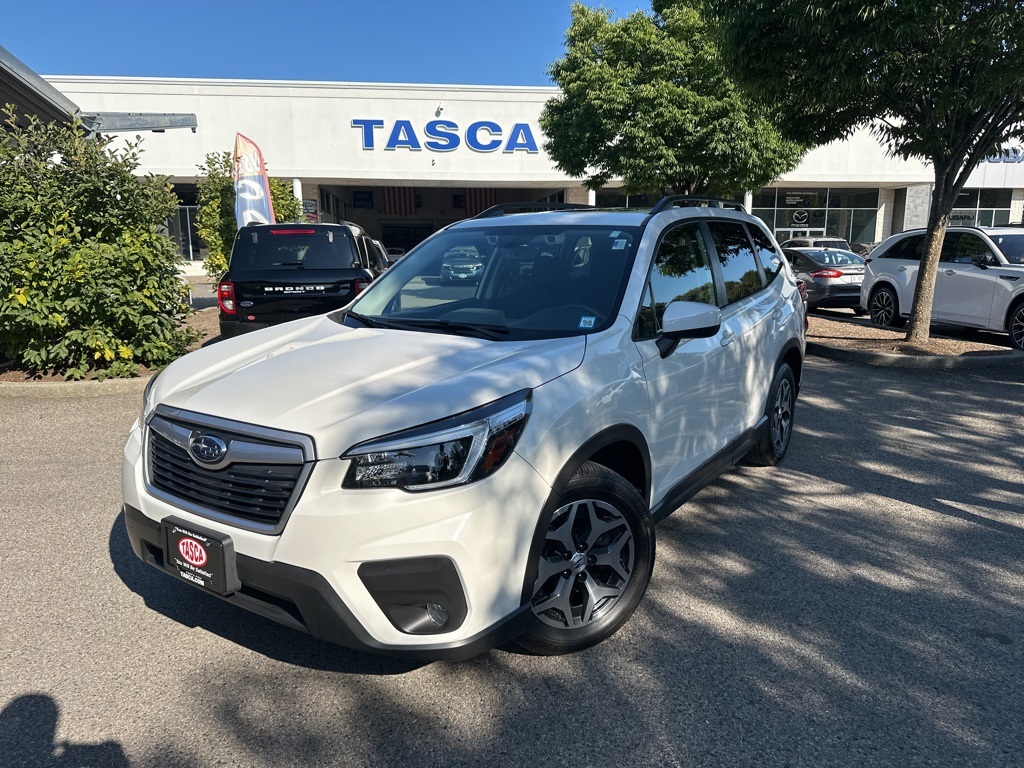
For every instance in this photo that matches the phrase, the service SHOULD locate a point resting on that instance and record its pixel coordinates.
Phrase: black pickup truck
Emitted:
(282, 272)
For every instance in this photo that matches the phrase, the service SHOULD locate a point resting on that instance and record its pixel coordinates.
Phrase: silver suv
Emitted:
(980, 282)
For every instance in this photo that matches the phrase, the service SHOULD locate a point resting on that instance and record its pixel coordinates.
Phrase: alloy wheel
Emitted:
(586, 563)
(882, 308)
(1017, 328)
(782, 416)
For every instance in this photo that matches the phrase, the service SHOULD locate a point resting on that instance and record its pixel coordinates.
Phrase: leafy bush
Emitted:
(88, 278)
(215, 219)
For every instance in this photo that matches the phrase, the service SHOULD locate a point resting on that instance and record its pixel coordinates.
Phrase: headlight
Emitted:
(148, 404)
(457, 450)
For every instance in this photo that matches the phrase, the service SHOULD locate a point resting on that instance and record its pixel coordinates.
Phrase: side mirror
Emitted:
(687, 320)
(980, 260)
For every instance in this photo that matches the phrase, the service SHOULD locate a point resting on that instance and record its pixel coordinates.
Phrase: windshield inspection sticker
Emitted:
(619, 244)
(587, 321)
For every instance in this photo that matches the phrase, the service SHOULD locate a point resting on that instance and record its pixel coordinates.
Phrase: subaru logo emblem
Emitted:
(207, 449)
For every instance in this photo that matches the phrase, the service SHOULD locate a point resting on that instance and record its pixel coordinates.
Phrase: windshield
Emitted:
(831, 244)
(507, 282)
(1012, 247)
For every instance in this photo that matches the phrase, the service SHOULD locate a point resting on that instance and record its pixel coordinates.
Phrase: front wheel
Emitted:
(595, 561)
(1016, 327)
(780, 409)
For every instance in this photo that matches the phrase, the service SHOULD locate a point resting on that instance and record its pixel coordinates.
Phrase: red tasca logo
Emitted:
(193, 552)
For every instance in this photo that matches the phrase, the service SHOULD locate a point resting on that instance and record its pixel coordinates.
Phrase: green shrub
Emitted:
(215, 219)
(89, 280)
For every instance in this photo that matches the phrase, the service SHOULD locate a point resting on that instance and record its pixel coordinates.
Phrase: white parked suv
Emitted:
(436, 469)
(980, 282)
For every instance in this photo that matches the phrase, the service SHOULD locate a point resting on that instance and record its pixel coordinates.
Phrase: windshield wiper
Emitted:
(487, 330)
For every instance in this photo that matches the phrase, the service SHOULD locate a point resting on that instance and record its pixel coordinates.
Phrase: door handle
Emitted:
(727, 339)
(901, 269)
(950, 272)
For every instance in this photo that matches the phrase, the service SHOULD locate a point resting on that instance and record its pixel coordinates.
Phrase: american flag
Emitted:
(399, 201)
(478, 200)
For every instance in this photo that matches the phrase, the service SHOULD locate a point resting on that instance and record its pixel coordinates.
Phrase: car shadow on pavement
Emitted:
(28, 729)
(192, 607)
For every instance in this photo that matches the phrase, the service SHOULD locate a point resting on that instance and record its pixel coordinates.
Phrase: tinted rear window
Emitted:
(319, 250)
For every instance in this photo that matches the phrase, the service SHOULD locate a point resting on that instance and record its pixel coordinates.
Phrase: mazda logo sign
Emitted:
(207, 449)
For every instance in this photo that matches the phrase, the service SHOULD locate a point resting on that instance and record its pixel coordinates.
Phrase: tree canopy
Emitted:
(646, 99)
(938, 80)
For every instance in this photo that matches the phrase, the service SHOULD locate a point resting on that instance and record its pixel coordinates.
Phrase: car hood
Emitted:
(343, 385)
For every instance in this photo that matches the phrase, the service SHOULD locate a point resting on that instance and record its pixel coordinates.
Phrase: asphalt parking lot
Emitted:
(862, 604)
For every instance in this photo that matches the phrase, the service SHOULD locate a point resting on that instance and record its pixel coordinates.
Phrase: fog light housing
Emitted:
(437, 613)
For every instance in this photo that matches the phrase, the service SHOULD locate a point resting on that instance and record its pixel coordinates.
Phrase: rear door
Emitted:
(284, 273)
(900, 264)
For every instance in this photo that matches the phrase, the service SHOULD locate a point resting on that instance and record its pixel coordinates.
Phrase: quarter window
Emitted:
(739, 266)
(909, 249)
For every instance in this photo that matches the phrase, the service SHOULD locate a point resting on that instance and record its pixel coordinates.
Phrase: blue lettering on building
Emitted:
(444, 135)
(447, 136)
(1008, 155)
(403, 135)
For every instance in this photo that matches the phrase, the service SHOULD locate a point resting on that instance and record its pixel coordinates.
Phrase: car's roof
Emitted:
(600, 217)
(822, 249)
(344, 226)
(1003, 230)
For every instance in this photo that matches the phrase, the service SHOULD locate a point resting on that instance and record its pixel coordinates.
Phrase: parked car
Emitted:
(283, 272)
(394, 254)
(430, 475)
(980, 281)
(832, 277)
(816, 242)
(462, 264)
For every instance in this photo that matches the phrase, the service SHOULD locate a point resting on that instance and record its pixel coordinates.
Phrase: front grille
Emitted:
(257, 488)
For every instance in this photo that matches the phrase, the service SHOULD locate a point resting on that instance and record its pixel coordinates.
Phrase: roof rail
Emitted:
(503, 208)
(690, 201)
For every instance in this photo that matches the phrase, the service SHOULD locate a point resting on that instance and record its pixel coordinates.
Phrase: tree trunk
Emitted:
(919, 329)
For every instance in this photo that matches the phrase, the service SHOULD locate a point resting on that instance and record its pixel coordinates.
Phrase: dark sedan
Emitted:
(832, 276)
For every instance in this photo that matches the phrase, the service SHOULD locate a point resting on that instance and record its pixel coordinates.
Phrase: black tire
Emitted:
(614, 559)
(884, 308)
(780, 410)
(1015, 325)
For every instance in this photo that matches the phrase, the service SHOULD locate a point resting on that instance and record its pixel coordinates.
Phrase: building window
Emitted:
(982, 208)
(851, 214)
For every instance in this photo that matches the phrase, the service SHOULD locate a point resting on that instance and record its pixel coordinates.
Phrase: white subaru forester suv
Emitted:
(437, 469)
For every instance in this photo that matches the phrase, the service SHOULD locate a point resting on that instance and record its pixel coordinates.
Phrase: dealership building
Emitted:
(404, 160)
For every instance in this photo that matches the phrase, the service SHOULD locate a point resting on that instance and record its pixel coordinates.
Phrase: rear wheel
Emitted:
(595, 561)
(884, 308)
(1016, 327)
(780, 409)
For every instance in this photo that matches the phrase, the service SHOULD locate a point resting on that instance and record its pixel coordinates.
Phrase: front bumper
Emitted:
(315, 576)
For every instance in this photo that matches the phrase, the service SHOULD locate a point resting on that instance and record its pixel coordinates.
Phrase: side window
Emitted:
(909, 248)
(949, 248)
(681, 272)
(972, 247)
(770, 260)
(739, 266)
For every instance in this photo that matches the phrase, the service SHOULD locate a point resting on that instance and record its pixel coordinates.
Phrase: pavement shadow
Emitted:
(28, 729)
(858, 605)
(192, 608)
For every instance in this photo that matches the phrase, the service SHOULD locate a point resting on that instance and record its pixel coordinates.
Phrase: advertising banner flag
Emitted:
(252, 188)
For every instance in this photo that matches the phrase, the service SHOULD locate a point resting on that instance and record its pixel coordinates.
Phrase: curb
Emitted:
(62, 389)
(929, 362)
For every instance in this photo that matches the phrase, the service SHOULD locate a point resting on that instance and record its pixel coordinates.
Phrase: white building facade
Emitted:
(403, 160)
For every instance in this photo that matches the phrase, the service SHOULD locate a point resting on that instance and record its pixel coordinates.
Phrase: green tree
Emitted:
(646, 99)
(215, 219)
(937, 80)
(88, 277)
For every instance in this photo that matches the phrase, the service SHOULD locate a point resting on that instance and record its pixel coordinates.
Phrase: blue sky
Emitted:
(487, 42)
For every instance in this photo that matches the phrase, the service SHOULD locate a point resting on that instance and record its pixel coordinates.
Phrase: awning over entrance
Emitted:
(30, 94)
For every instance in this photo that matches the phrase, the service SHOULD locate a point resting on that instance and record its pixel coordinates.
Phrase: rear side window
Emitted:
(739, 266)
(291, 249)
(766, 253)
(909, 249)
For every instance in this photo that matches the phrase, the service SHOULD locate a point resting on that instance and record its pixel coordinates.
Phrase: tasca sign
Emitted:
(445, 136)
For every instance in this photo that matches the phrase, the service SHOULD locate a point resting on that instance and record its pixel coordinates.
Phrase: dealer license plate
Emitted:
(200, 557)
